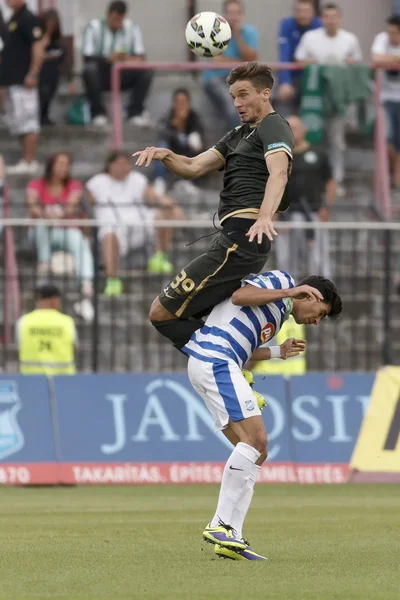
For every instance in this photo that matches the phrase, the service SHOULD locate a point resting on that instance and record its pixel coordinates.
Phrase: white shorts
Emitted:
(22, 110)
(136, 235)
(225, 391)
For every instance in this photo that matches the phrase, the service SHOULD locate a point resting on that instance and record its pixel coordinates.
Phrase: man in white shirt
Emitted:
(105, 42)
(331, 45)
(386, 52)
(125, 206)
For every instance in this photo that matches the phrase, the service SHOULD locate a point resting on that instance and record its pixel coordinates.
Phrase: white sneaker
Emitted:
(24, 168)
(85, 309)
(142, 120)
(100, 121)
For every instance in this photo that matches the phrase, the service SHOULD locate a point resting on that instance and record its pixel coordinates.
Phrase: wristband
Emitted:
(275, 351)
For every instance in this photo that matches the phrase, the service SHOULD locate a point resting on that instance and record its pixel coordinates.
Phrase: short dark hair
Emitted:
(330, 6)
(44, 292)
(394, 20)
(259, 74)
(228, 2)
(115, 155)
(118, 6)
(181, 90)
(328, 291)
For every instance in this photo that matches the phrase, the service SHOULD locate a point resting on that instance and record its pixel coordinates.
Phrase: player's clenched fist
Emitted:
(145, 157)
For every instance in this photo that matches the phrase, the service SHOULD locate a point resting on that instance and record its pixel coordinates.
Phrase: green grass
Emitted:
(323, 542)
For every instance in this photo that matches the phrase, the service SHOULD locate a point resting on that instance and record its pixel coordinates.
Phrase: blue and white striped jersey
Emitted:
(235, 332)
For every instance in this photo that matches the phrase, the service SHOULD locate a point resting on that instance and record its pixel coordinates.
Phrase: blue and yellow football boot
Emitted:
(224, 536)
(248, 375)
(246, 554)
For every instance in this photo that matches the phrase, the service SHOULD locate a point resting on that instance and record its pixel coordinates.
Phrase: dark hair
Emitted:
(312, 2)
(115, 155)
(181, 90)
(49, 15)
(48, 170)
(394, 20)
(328, 291)
(44, 292)
(227, 3)
(118, 6)
(260, 75)
(330, 6)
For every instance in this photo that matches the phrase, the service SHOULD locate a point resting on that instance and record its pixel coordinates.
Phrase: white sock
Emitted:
(234, 481)
(243, 504)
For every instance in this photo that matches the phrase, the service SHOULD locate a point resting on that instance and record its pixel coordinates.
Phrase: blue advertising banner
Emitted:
(26, 429)
(152, 428)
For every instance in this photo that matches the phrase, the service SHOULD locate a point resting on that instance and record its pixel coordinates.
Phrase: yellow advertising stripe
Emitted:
(378, 445)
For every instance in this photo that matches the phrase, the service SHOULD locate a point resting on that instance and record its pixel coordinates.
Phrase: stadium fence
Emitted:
(363, 259)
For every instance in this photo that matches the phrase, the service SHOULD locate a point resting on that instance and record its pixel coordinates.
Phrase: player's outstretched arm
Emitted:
(250, 295)
(188, 168)
(290, 348)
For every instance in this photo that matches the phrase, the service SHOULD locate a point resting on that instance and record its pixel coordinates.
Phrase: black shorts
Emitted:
(216, 274)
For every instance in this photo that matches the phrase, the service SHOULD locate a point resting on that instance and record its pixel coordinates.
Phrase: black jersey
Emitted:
(243, 151)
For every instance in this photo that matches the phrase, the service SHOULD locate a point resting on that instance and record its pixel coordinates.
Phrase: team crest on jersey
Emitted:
(267, 333)
(249, 405)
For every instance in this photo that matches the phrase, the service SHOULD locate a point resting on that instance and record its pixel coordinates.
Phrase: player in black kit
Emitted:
(256, 157)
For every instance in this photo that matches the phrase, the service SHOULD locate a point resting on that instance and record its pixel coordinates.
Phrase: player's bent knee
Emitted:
(158, 312)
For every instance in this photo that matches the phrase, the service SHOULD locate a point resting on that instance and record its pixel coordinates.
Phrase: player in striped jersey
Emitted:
(230, 337)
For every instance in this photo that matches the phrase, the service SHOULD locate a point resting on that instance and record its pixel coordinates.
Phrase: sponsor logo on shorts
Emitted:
(267, 333)
(249, 405)
(279, 145)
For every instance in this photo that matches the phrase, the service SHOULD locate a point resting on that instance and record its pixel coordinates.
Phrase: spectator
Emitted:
(53, 61)
(331, 45)
(312, 192)
(291, 31)
(46, 337)
(58, 196)
(106, 42)
(126, 205)
(243, 47)
(386, 51)
(22, 59)
(181, 131)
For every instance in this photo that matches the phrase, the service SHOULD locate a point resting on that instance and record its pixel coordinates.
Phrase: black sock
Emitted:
(178, 331)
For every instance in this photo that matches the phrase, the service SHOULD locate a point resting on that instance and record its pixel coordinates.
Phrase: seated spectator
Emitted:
(22, 57)
(57, 196)
(126, 205)
(106, 42)
(181, 131)
(386, 52)
(243, 47)
(331, 45)
(291, 31)
(312, 193)
(53, 61)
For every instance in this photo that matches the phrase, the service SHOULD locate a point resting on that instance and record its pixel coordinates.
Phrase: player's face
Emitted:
(331, 20)
(310, 312)
(304, 13)
(249, 102)
(394, 35)
(120, 168)
(115, 21)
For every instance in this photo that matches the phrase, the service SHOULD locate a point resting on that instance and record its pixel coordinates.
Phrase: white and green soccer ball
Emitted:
(208, 34)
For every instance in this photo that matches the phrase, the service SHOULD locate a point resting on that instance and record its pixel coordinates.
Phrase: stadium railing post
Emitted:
(387, 313)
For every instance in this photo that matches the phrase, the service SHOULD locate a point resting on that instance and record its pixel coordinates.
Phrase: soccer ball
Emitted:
(208, 34)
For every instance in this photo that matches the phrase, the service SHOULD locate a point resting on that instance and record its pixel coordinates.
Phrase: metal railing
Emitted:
(362, 257)
(381, 175)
